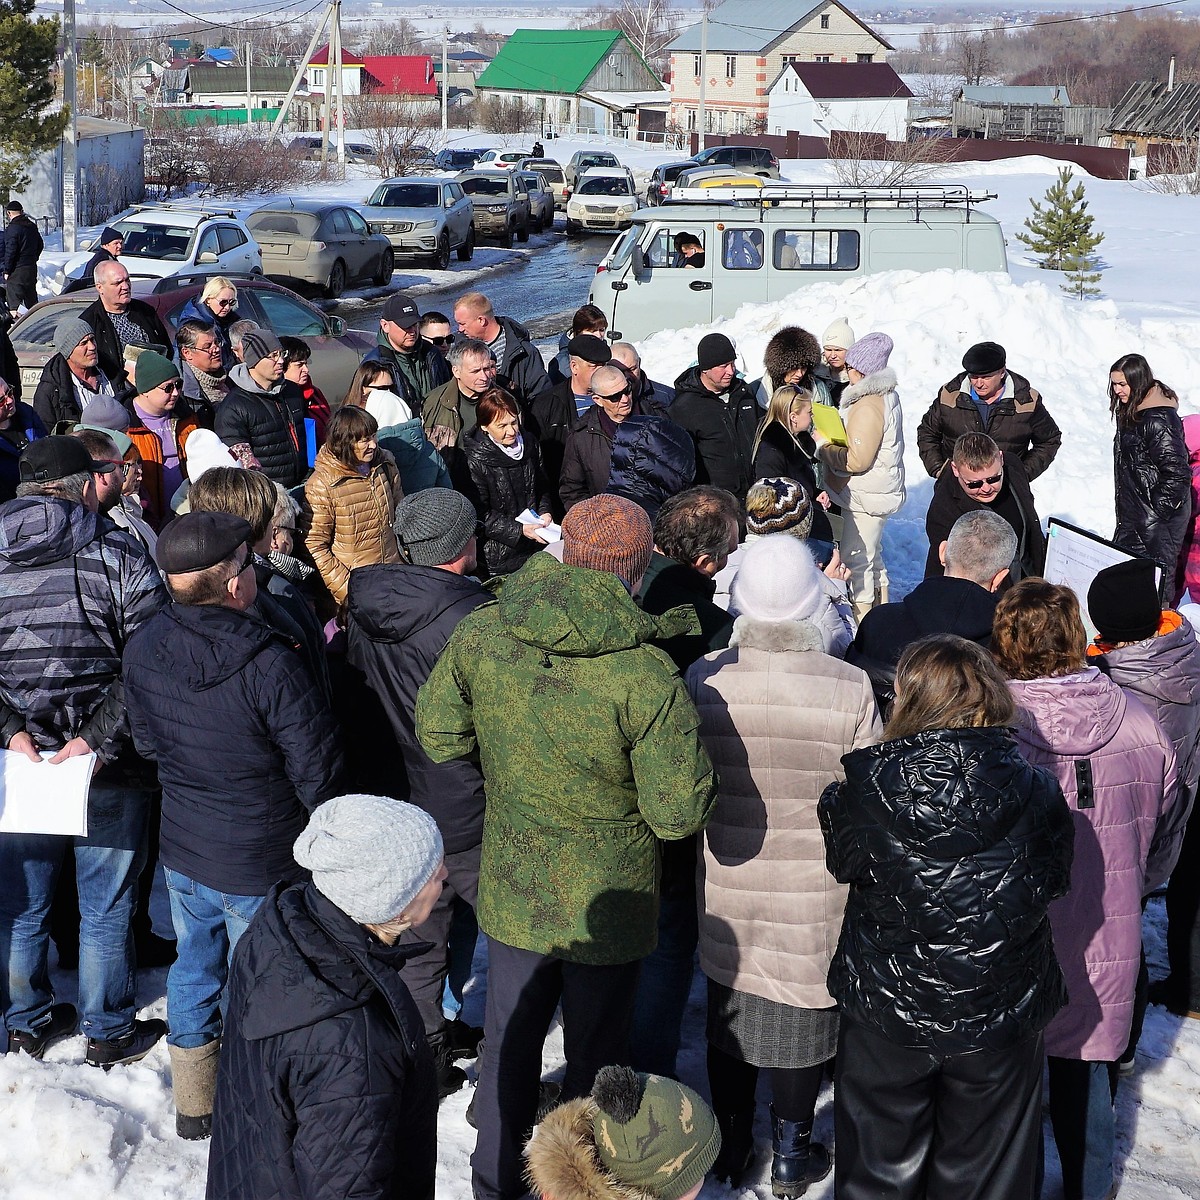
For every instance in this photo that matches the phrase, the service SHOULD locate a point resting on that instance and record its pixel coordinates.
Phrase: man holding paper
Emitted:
(73, 589)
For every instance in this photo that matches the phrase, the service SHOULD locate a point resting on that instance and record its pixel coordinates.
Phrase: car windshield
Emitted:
(460, 158)
(273, 224)
(406, 195)
(618, 186)
(596, 160)
(155, 241)
(485, 187)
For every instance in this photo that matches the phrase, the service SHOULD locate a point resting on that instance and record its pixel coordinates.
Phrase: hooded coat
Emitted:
(953, 847)
(590, 750)
(501, 488)
(245, 744)
(326, 1086)
(776, 714)
(721, 430)
(867, 474)
(1117, 771)
(270, 421)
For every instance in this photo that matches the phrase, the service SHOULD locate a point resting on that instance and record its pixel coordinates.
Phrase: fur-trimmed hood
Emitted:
(561, 1159)
(774, 636)
(878, 383)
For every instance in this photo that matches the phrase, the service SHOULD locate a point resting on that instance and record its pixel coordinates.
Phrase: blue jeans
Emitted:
(107, 863)
(208, 925)
(1081, 1115)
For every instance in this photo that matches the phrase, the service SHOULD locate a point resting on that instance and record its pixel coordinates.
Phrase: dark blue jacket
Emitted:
(326, 1086)
(23, 243)
(245, 744)
(30, 425)
(398, 621)
(652, 458)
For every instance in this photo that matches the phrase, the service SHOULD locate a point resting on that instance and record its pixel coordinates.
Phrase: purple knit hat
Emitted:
(870, 353)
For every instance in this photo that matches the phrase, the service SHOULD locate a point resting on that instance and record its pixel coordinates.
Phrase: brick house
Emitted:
(749, 44)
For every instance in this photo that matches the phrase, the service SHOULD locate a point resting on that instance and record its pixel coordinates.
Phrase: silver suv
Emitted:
(501, 204)
(423, 217)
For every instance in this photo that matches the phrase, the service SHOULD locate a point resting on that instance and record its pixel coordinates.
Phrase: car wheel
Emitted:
(467, 250)
(572, 229)
(523, 233)
(337, 280)
(441, 256)
(387, 268)
(506, 238)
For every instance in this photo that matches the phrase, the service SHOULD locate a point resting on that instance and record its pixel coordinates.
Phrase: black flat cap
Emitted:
(197, 541)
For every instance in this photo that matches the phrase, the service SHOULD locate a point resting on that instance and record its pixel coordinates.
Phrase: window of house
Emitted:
(696, 68)
(731, 66)
(318, 78)
(866, 58)
(790, 58)
(821, 58)
(816, 249)
(824, 20)
(691, 119)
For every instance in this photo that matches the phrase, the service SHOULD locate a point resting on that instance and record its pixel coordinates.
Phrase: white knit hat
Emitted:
(778, 580)
(839, 335)
(387, 408)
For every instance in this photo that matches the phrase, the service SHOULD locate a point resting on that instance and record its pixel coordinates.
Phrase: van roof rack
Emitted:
(815, 196)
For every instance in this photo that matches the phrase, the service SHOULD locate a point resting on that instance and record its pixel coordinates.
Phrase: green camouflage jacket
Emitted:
(589, 746)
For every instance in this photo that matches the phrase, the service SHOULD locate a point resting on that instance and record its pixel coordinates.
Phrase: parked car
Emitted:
(424, 218)
(500, 160)
(753, 160)
(712, 177)
(605, 199)
(326, 245)
(659, 188)
(553, 174)
(583, 160)
(541, 199)
(456, 160)
(501, 204)
(336, 350)
(167, 239)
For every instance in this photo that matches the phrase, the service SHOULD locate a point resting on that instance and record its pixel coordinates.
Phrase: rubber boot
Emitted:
(194, 1083)
(737, 1146)
(798, 1161)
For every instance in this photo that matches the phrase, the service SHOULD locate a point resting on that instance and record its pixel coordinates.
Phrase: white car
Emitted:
(164, 239)
(605, 199)
(499, 160)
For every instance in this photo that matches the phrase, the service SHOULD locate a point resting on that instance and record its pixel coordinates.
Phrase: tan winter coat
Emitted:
(351, 517)
(867, 474)
(776, 716)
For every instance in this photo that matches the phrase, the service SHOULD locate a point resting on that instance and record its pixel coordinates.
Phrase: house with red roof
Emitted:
(407, 76)
(816, 99)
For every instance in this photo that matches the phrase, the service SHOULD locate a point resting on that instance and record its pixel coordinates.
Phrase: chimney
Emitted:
(1171, 75)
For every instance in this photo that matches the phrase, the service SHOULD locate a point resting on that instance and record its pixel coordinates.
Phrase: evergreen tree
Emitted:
(28, 51)
(1082, 275)
(1062, 227)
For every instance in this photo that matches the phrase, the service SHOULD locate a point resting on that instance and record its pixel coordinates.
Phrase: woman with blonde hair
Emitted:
(784, 448)
(216, 306)
(953, 847)
(352, 496)
(1117, 771)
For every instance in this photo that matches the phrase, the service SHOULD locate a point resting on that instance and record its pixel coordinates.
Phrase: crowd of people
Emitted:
(606, 670)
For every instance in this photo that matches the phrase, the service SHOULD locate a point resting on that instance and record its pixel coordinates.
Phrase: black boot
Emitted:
(449, 1077)
(798, 1160)
(737, 1146)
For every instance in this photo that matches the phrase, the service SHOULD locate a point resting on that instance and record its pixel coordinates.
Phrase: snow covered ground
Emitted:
(75, 1134)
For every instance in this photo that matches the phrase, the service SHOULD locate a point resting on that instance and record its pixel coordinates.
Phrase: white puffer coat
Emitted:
(867, 474)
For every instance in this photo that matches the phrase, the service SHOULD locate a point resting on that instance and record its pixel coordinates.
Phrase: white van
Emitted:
(764, 243)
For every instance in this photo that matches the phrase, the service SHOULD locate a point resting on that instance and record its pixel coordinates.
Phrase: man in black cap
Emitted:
(262, 418)
(717, 407)
(989, 398)
(246, 748)
(558, 409)
(73, 591)
(399, 618)
(417, 365)
(112, 242)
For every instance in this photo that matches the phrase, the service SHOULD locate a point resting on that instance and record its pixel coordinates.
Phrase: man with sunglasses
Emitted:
(417, 367)
(982, 476)
(160, 424)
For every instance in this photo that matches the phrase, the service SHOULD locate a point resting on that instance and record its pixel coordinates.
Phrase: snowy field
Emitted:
(73, 1133)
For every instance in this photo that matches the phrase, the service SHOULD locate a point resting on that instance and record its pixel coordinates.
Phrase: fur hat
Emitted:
(778, 580)
(870, 353)
(839, 335)
(779, 506)
(791, 349)
(608, 533)
(1123, 601)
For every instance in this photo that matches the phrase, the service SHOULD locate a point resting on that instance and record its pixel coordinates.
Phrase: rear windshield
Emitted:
(670, 174)
(618, 186)
(155, 241)
(286, 223)
(460, 158)
(553, 174)
(596, 160)
(406, 195)
(485, 187)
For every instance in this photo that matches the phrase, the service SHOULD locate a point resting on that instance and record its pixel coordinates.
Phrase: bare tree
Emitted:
(869, 160)
(392, 126)
(1174, 168)
(649, 24)
(514, 115)
(400, 36)
(974, 57)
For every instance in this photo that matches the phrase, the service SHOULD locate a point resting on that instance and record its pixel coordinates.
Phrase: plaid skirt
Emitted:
(768, 1034)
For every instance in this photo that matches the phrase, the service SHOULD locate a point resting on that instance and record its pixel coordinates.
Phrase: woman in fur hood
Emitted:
(777, 712)
(865, 476)
(792, 356)
(636, 1137)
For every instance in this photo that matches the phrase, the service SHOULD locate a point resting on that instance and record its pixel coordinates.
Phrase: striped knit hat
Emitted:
(779, 506)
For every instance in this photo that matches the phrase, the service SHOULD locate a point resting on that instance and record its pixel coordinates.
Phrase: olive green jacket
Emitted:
(590, 749)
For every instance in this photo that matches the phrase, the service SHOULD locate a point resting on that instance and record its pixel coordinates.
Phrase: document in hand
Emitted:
(36, 797)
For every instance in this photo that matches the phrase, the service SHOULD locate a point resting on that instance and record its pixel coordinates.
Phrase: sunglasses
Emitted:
(973, 485)
(448, 340)
(224, 303)
(172, 385)
(117, 464)
(625, 391)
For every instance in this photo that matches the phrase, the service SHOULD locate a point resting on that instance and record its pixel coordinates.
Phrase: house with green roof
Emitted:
(579, 80)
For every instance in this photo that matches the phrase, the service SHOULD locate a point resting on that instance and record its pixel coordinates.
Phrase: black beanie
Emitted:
(983, 358)
(714, 350)
(1123, 601)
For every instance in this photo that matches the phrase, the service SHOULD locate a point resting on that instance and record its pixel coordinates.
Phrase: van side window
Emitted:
(664, 253)
(816, 249)
(742, 249)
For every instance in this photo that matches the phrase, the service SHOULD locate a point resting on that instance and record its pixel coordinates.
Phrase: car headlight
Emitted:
(497, 208)
(426, 225)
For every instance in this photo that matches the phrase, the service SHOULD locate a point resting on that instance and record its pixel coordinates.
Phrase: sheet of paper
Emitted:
(551, 533)
(36, 797)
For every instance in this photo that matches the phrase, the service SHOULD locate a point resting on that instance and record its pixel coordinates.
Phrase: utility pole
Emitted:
(445, 81)
(341, 98)
(95, 90)
(70, 143)
(281, 117)
(327, 114)
(700, 114)
(249, 117)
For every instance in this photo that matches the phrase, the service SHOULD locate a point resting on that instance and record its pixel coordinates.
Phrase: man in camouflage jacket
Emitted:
(589, 747)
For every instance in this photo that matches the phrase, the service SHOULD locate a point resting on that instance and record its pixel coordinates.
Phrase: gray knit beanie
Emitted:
(68, 333)
(105, 412)
(433, 525)
(370, 855)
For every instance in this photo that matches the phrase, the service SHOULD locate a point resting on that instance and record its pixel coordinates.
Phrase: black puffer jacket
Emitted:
(1153, 485)
(500, 487)
(723, 432)
(326, 1086)
(398, 620)
(652, 458)
(587, 455)
(108, 345)
(270, 421)
(245, 744)
(521, 370)
(953, 847)
(55, 399)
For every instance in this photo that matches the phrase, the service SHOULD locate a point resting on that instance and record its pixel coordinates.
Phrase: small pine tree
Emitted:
(1062, 226)
(1082, 276)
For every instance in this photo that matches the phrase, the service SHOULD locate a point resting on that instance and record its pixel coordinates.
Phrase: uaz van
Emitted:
(764, 243)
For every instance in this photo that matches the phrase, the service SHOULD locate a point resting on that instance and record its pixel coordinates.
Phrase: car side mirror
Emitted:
(207, 258)
(337, 326)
